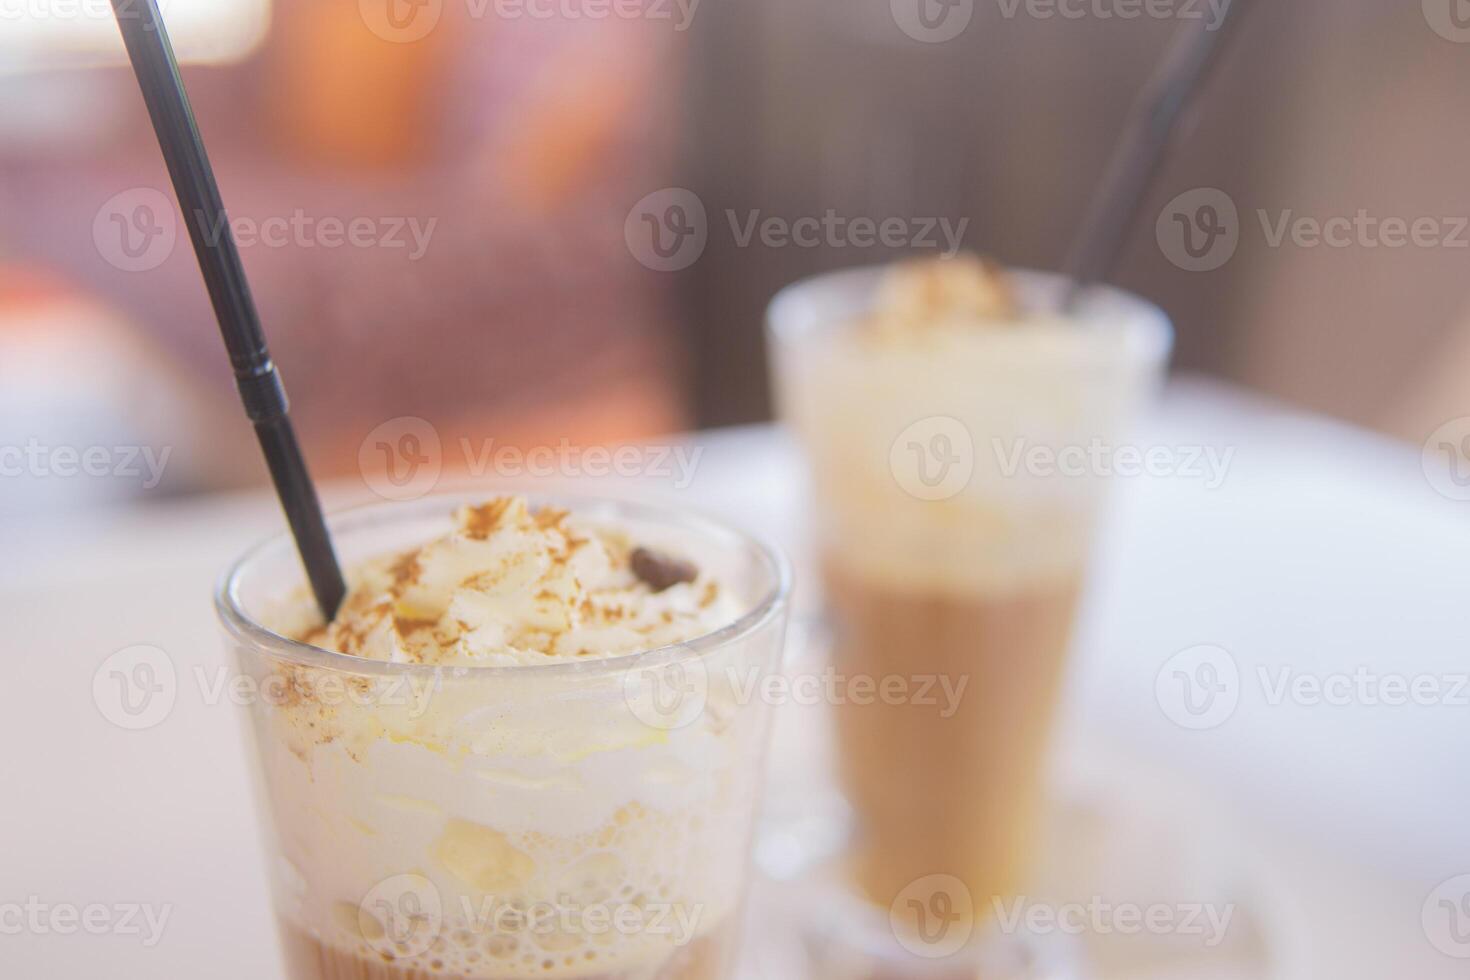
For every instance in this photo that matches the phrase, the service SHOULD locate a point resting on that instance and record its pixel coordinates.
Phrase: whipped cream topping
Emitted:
(926, 296)
(509, 585)
(921, 402)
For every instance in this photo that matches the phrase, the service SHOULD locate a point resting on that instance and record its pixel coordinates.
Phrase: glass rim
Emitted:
(1148, 321)
(241, 626)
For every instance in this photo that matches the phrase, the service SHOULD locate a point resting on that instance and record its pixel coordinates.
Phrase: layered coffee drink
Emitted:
(933, 401)
(517, 751)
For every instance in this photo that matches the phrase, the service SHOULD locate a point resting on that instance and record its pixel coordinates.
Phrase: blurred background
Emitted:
(557, 223)
(432, 204)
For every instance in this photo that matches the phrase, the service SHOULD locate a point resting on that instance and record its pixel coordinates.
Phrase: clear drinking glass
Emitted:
(587, 819)
(955, 488)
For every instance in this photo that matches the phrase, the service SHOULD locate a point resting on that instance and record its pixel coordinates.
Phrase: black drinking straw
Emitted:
(204, 214)
(1193, 52)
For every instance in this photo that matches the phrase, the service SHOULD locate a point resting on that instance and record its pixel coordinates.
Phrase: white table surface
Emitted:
(1324, 549)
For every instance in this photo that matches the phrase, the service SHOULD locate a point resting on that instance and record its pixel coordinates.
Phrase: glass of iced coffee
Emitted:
(952, 421)
(519, 750)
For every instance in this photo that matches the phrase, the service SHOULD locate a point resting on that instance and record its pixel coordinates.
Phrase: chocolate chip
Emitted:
(661, 571)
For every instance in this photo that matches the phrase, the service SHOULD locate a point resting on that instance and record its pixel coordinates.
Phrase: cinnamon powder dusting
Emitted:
(512, 584)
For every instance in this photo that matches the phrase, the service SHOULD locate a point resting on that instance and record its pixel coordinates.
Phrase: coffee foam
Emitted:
(861, 399)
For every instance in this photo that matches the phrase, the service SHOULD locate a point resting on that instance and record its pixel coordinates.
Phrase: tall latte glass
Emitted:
(954, 494)
(582, 818)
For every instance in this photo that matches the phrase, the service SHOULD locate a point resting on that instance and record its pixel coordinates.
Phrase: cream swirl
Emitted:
(509, 585)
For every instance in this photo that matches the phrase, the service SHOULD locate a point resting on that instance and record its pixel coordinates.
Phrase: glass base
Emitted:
(848, 938)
